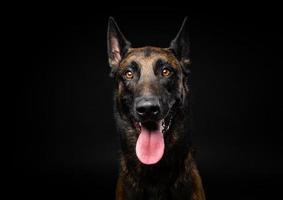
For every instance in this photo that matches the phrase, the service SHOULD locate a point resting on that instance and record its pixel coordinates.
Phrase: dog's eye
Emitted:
(129, 75)
(166, 72)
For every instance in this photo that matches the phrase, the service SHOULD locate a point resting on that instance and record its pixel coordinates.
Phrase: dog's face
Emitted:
(150, 85)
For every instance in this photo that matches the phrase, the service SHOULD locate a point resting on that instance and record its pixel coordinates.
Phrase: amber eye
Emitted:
(166, 72)
(129, 75)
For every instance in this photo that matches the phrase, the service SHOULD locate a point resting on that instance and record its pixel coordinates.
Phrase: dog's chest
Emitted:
(159, 192)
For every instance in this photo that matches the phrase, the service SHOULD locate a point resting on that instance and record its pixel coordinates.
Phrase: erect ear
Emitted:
(181, 47)
(116, 43)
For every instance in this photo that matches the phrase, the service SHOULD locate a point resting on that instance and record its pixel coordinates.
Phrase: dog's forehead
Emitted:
(147, 56)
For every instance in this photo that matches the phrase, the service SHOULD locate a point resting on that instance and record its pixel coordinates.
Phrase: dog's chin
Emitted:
(150, 144)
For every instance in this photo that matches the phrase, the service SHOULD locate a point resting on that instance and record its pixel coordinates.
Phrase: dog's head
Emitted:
(150, 87)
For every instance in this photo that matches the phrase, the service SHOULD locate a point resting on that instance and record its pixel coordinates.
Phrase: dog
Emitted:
(152, 113)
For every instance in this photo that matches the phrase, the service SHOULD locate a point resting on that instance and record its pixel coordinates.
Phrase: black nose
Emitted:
(147, 107)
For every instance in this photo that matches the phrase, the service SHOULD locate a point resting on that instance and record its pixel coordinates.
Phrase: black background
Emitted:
(64, 139)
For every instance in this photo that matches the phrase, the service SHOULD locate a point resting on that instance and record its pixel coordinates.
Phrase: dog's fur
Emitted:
(176, 175)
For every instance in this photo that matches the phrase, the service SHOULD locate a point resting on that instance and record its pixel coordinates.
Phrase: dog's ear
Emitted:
(116, 43)
(181, 47)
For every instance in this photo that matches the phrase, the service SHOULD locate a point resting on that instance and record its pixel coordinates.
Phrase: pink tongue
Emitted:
(150, 146)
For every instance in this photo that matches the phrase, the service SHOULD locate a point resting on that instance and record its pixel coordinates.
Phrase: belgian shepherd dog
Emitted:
(152, 113)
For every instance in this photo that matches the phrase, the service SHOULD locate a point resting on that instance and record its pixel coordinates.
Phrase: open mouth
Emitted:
(150, 144)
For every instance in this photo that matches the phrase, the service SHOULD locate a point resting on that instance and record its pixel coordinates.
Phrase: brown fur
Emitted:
(191, 174)
(139, 55)
(175, 176)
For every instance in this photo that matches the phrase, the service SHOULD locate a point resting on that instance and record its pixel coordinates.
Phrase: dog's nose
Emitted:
(148, 107)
